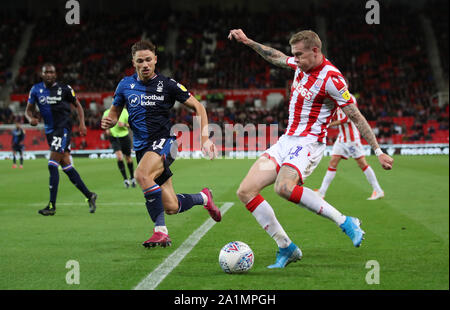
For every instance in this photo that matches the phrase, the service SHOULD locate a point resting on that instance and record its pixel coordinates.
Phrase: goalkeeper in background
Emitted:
(121, 145)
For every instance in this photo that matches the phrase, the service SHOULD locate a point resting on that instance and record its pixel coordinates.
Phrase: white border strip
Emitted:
(162, 271)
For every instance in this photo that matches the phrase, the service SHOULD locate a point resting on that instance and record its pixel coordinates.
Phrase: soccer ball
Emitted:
(236, 257)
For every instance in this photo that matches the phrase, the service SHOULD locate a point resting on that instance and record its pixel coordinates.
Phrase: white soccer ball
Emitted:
(236, 257)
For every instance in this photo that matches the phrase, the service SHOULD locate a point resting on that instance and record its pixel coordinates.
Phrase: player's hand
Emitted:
(34, 121)
(386, 161)
(238, 35)
(107, 123)
(83, 130)
(209, 149)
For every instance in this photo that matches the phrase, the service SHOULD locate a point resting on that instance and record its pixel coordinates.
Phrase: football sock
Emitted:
(14, 159)
(329, 176)
(131, 169)
(122, 169)
(264, 215)
(21, 160)
(370, 175)
(75, 178)
(54, 180)
(187, 201)
(153, 202)
(307, 198)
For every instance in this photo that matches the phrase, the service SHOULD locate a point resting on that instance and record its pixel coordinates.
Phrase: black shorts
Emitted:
(121, 144)
(59, 140)
(18, 148)
(166, 147)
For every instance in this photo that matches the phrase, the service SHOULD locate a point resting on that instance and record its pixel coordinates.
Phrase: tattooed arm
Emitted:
(271, 55)
(363, 126)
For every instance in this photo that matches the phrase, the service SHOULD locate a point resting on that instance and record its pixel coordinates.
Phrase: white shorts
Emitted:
(348, 149)
(301, 153)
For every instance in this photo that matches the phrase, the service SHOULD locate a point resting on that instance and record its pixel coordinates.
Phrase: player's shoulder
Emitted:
(128, 80)
(176, 84)
(64, 86)
(165, 79)
(332, 70)
(36, 87)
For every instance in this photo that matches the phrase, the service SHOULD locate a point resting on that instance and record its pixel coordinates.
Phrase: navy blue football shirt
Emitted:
(17, 136)
(54, 104)
(148, 106)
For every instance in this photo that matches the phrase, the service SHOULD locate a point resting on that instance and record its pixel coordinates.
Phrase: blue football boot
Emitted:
(352, 228)
(286, 256)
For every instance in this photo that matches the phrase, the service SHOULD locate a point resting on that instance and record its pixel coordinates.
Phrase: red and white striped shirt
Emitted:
(347, 130)
(315, 95)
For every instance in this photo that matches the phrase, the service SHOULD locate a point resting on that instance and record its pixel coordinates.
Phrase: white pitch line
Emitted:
(162, 271)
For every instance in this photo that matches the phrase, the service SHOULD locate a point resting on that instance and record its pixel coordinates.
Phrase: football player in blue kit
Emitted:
(54, 100)
(148, 96)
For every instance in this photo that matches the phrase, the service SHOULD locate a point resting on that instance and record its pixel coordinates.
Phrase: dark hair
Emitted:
(141, 46)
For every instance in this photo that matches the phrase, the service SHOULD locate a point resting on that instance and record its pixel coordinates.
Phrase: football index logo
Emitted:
(134, 100)
(144, 100)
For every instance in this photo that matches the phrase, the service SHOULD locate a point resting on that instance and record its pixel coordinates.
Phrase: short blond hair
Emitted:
(308, 37)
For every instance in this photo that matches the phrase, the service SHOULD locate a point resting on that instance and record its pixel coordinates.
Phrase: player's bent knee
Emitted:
(244, 195)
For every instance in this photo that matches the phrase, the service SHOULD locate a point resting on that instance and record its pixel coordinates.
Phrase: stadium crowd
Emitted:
(386, 65)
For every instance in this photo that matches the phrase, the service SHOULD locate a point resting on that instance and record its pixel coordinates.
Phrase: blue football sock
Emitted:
(76, 180)
(153, 202)
(54, 180)
(187, 201)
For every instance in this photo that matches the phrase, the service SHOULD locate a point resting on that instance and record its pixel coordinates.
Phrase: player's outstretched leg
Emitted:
(210, 206)
(75, 178)
(178, 203)
(306, 197)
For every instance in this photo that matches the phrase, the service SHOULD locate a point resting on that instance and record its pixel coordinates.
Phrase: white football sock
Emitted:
(205, 198)
(329, 176)
(162, 229)
(313, 202)
(264, 215)
(370, 175)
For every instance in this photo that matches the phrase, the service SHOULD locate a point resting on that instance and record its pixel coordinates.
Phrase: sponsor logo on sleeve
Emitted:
(181, 87)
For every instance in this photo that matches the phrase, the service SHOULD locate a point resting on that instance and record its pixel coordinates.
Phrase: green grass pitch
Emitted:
(407, 232)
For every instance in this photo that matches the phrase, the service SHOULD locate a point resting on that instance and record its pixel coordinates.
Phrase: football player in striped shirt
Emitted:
(318, 89)
(348, 144)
